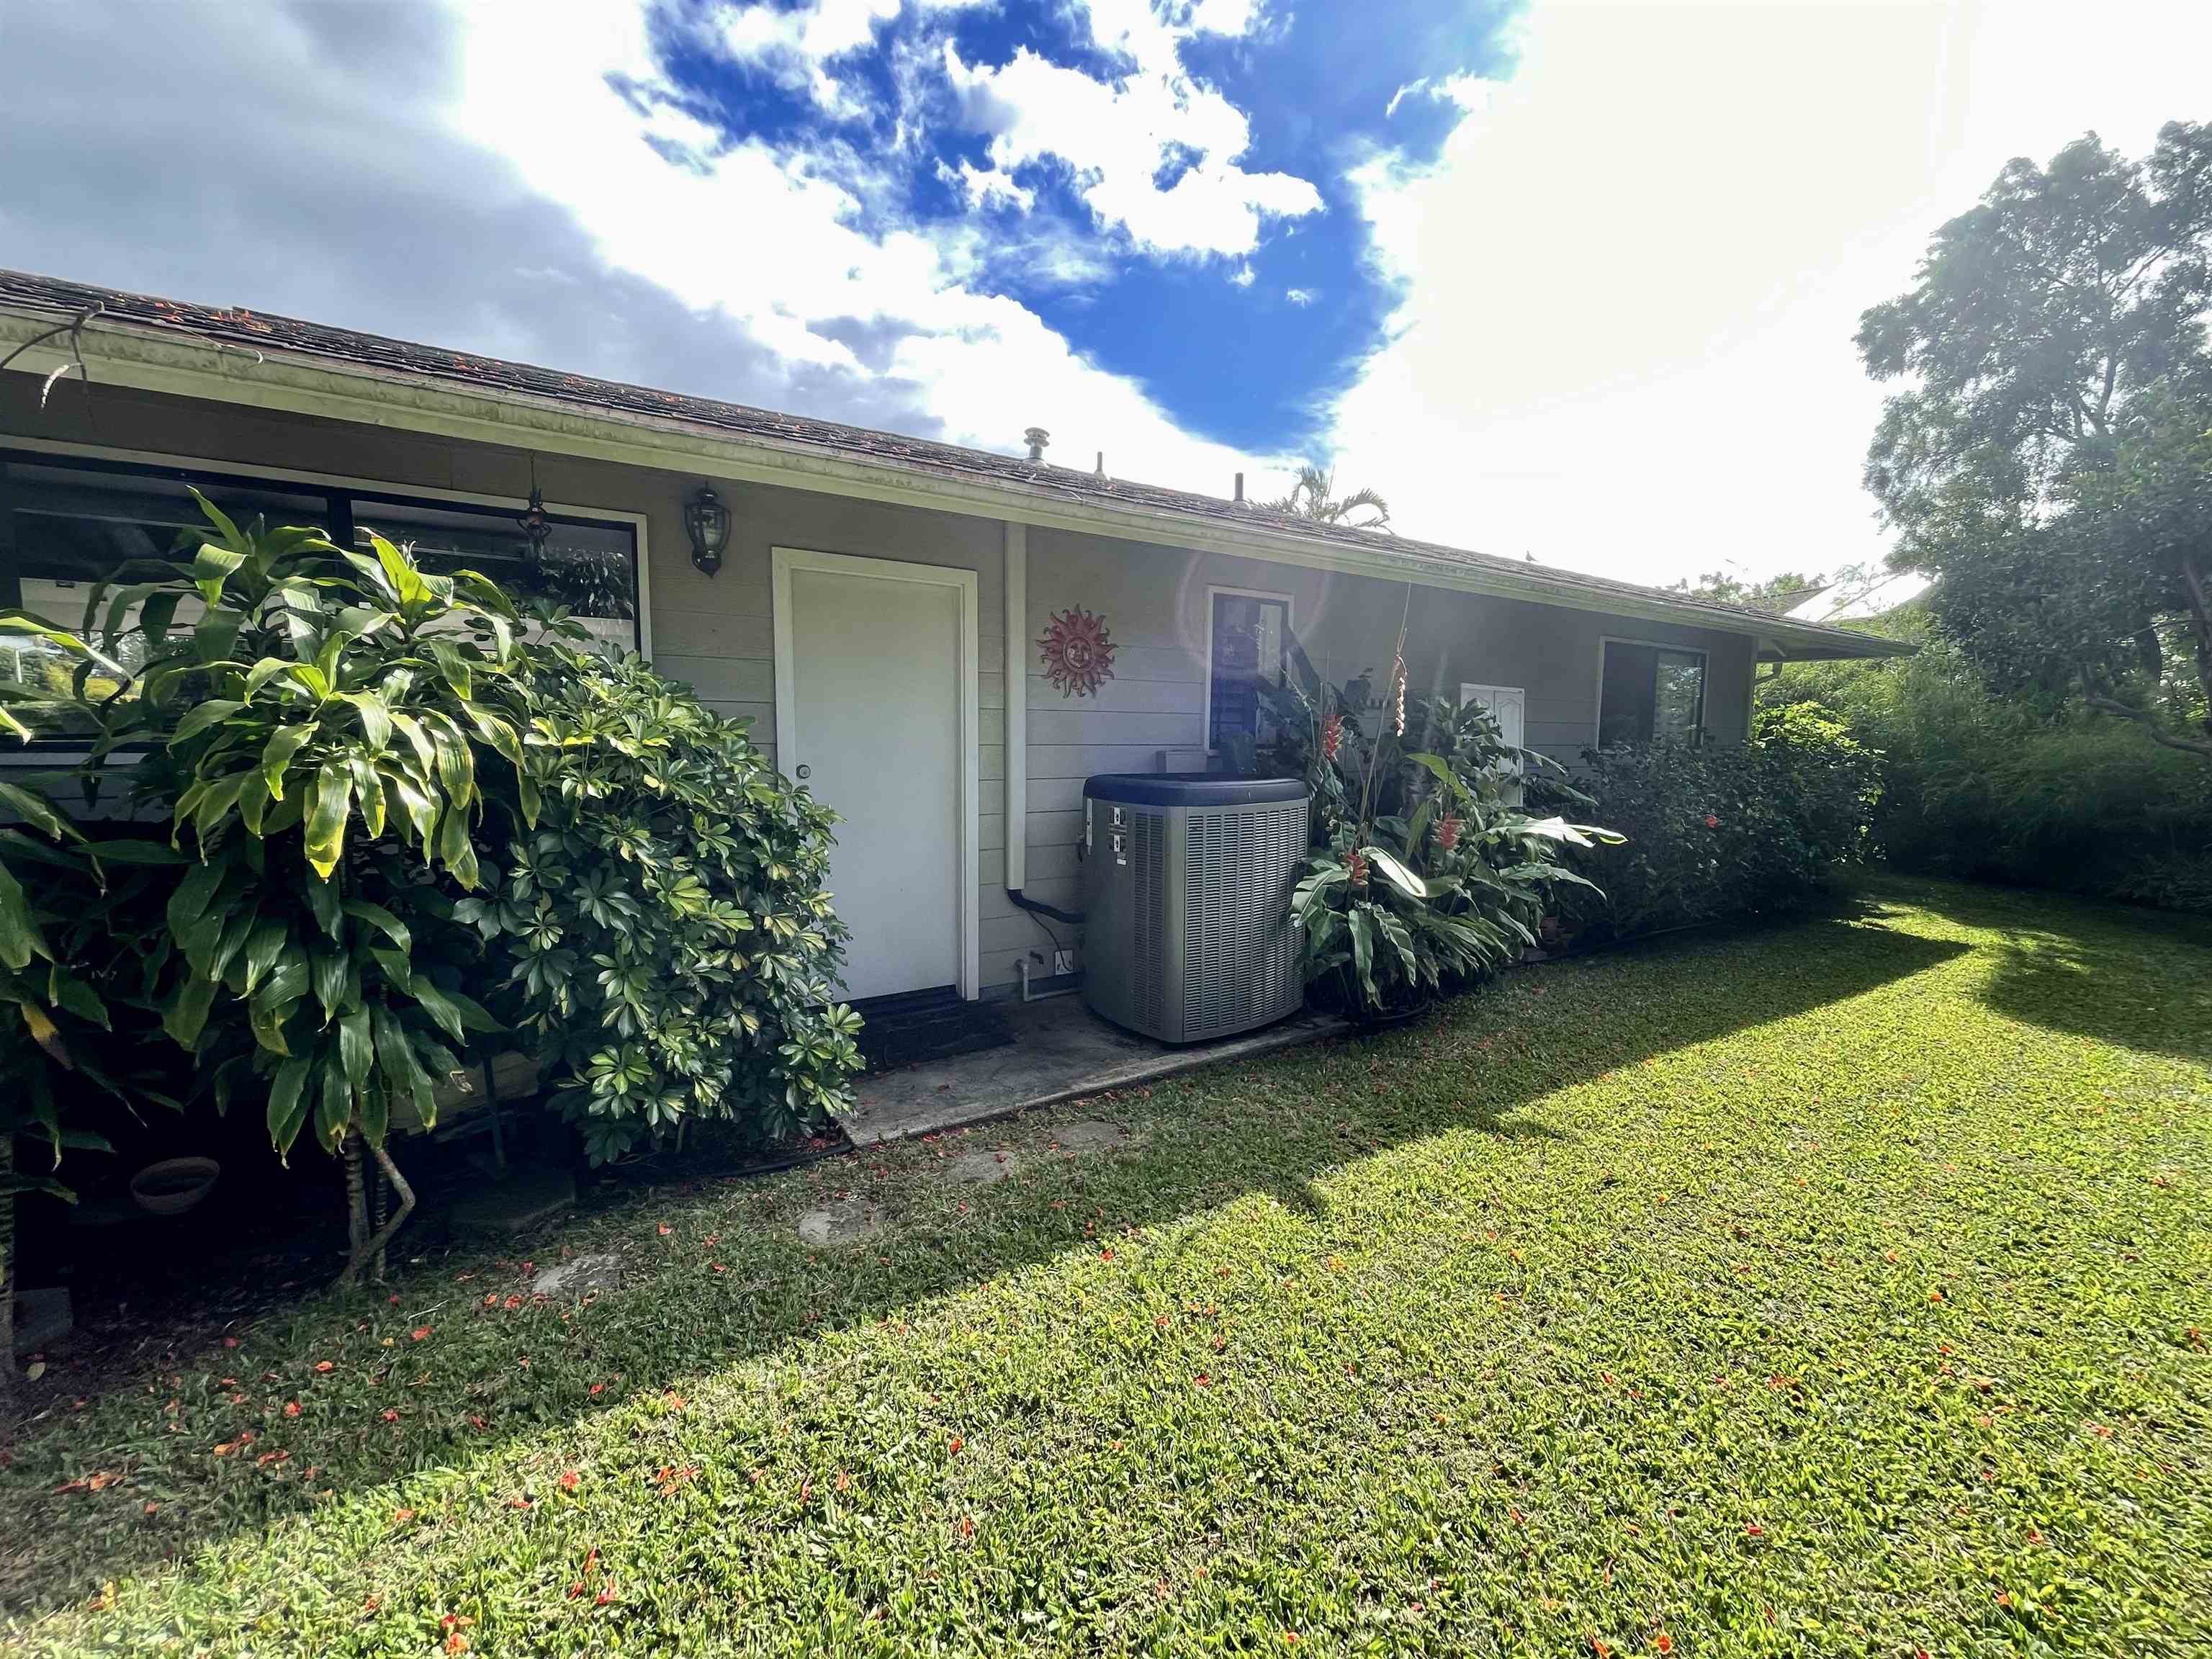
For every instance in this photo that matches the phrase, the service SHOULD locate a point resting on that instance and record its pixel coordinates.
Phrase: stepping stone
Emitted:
(1092, 1136)
(846, 1221)
(601, 1270)
(980, 1168)
(42, 1318)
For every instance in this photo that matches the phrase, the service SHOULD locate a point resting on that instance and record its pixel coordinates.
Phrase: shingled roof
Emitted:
(238, 328)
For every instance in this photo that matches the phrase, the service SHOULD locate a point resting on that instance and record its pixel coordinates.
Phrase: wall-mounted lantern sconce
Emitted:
(708, 522)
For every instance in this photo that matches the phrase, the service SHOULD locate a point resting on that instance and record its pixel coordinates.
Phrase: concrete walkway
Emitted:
(1062, 1051)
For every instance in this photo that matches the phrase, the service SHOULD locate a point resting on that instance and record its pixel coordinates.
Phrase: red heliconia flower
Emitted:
(1332, 736)
(1447, 831)
(1355, 867)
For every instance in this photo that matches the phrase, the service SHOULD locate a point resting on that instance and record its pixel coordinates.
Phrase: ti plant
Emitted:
(378, 783)
(314, 720)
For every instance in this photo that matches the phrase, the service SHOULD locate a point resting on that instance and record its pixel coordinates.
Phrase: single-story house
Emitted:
(943, 642)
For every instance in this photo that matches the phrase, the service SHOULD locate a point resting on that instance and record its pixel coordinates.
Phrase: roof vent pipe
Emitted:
(1036, 438)
(1240, 489)
(1101, 463)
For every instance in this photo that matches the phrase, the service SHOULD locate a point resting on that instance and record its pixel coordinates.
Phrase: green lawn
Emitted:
(1835, 1288)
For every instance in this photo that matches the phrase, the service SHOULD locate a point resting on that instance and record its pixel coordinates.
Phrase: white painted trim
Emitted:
(1290, 624)
(785, 560)
(1018, 705)
(166, 459)
(154, 359)
(1705, 677)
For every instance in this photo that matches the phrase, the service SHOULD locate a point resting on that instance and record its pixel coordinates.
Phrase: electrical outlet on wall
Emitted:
(1063, 962)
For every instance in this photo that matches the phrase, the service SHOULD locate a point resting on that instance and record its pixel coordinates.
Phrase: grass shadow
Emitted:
(2118, 974)
(1278, 1125)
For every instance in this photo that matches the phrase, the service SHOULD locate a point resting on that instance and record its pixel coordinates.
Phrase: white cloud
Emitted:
(1244, 276)
(798, 44)
(1632, 277)
(1153, 33)
(1117, 138)
(1300, 296)
(780, 246)
(985, 187)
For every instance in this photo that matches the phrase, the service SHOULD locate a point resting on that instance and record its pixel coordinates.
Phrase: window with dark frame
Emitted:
(1650, 694)
(67, 522)
(1248, 634)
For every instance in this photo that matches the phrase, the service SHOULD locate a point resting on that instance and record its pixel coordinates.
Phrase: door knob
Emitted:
(806, 771)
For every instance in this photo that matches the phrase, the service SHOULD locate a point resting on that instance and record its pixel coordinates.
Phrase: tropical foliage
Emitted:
(1313, 495)
(2047, 458)
(662, 923)
(1426, 873)
(379, 785)
(1726, 830)
(75, 916)
(1997, 789)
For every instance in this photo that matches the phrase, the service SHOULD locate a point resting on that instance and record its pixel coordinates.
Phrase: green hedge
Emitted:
(1725, 830)
(1995, 789)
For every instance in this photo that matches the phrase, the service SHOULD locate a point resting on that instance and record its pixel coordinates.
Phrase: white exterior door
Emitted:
(875, 713)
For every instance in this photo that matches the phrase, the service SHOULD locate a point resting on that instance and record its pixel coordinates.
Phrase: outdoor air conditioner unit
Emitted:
(1187, 901)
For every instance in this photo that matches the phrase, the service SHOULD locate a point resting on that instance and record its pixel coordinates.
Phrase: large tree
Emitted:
(1777, 592)
(2046, 459)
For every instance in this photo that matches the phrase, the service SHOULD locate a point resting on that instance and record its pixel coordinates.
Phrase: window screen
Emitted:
(1247, 637)
(1649, 693)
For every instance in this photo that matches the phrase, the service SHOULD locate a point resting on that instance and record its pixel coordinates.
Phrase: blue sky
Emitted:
(1244, 336)
(1575, 278)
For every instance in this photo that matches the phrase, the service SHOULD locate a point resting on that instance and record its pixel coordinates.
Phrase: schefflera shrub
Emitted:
(662, 925)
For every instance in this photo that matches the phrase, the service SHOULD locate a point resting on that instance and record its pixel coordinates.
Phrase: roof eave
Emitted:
(168, 361)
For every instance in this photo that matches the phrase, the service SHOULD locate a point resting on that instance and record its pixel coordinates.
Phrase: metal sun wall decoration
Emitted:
(1077, 651)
